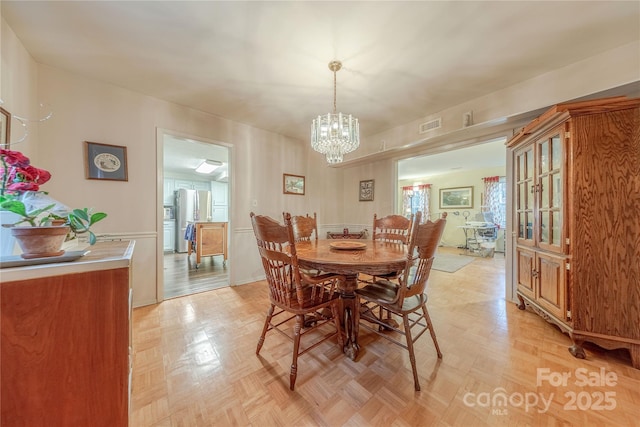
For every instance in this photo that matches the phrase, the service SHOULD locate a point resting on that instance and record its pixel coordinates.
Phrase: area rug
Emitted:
(450, 263)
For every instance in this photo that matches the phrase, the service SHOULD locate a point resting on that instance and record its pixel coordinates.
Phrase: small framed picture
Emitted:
(366, 190)
(458, 197)
(5, 128)
(293, 184)
(104, 161)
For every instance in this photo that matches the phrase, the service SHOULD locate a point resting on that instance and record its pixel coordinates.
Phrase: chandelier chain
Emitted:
(334, 91)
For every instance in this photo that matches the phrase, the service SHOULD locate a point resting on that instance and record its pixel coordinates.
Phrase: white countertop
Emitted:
(102, 256)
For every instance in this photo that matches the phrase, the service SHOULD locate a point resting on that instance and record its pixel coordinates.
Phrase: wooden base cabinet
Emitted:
(66, 343)
(576, 179)
(542, 279)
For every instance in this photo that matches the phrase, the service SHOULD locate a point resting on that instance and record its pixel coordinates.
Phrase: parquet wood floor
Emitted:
(195, 365)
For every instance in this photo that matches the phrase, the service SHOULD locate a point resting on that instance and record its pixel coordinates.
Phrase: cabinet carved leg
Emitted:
(521, 306)
(634, 350)
(576, 349)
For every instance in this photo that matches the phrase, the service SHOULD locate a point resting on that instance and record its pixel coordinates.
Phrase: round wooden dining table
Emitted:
(350, 258)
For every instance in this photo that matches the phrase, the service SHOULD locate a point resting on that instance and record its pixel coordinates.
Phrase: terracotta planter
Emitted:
(40, 242)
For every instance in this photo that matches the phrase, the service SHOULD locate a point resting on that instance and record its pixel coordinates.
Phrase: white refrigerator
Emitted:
(191, 206)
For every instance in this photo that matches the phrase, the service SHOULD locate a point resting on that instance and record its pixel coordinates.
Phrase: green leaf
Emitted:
(97, 217)
(15, 207)
(36, 212)
(82, 214)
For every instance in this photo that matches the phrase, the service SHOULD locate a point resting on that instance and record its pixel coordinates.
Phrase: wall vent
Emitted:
(431, 125)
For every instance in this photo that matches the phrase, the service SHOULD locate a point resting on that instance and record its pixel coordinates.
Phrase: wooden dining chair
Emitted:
(406, 297)
(305, 227)
(294, 294)
(392, 229)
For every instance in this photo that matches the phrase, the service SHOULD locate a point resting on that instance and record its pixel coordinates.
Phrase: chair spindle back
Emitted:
(392, 228)
(422, 248)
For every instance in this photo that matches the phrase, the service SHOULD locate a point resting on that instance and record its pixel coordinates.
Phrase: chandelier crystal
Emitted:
(335, 134)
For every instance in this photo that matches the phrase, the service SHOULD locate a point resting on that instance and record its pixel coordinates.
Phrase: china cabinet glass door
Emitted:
(525, 188)
(549, 191)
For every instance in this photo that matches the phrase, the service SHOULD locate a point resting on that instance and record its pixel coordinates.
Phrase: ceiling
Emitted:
(264, 63)
(487, 155)
(182, 156)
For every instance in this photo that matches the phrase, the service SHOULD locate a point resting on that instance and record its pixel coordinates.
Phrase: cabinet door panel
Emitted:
(65, 350)
(220, 190)
(168, 192)
(178, 184)
(551, 281)
(212, 240)
(202, 185)
(525, 260)
(169, 237)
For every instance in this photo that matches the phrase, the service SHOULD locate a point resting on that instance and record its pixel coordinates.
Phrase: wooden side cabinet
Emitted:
(576, 206)
(65, 349)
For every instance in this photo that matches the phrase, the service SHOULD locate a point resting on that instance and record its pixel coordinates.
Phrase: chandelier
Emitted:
(335, 134)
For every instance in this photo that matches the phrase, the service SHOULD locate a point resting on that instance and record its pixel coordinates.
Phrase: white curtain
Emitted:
(416, 198)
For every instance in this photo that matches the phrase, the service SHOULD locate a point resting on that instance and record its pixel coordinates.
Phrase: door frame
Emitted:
(160, 135)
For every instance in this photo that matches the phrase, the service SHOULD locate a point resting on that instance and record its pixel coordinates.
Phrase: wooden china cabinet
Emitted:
(576, 176)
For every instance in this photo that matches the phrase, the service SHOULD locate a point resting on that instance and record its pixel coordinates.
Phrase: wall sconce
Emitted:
(208, 166)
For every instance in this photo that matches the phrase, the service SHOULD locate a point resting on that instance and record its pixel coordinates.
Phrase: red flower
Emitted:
(32, 174)
(14, 158)
(18, 176)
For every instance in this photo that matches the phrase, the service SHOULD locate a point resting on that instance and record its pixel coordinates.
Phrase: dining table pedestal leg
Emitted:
(350, 316)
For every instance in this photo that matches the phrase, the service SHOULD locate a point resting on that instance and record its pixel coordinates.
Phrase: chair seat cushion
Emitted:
(384, 292)
(381, 291)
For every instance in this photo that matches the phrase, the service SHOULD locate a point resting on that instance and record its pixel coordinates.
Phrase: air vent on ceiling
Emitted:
(431, 125)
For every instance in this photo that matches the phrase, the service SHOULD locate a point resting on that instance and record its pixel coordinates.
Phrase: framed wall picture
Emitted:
(293, 184)
(5, 128)
(104, 161)
(458, 197)
(366, 190)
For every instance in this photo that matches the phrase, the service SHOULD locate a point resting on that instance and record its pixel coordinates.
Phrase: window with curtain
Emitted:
(495, 199)
(416, 198)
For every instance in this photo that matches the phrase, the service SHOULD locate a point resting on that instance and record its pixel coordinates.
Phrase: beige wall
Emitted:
(87, 110)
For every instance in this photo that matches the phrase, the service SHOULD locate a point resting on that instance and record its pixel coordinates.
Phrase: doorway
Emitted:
(208, 202)
(466, 171)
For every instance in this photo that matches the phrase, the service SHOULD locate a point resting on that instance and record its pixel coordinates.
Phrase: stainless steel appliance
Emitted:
(191, 206)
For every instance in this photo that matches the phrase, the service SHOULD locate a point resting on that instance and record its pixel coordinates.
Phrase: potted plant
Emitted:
(35, 213)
